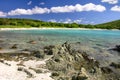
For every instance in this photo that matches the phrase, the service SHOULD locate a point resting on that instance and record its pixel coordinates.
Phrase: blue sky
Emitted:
(66, 11)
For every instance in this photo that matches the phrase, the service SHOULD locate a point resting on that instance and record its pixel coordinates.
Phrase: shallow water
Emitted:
(96, 42)
(103, 38)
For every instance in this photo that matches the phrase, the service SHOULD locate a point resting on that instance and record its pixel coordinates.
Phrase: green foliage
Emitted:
(27, 23)
(110, 25)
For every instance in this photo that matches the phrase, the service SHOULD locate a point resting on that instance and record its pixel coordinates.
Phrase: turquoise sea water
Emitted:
(96, 42)
(105, 38)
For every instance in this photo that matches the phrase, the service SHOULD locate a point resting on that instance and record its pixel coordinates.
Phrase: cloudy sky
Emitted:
(66, 11)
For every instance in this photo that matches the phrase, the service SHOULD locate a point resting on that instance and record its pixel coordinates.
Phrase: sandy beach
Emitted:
(5, 29)
(12, 72)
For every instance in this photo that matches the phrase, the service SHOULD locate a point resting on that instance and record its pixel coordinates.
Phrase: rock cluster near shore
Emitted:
(61, 62)
(117, 48)
(68, 64)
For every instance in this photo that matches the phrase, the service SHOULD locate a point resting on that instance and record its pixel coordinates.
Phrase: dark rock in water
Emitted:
(1, 41)
(117, 48)
(42, 39)
(115, 65)
(93, 70)
(48, 50)
(79, 78)
(78, 42)
(81, 75)
(25, 50)
(55, 74)
(14, 46)
(90, 59)
(0, 48)
(32, 42)
(39, 54)
(67, 46)
(57, 60)
(106, 70)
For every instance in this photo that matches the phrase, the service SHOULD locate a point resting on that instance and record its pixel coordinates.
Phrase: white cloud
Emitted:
(68, 20)
(110, 1)
(72, 21)
(36, 10)
(52, 20)
(93, 7)
(59, 9)
(77, 21)
(29, 3)
(20, 12)
(2, 14)
(78, 8)
(116, 8)
(42, 3)
(63, 9)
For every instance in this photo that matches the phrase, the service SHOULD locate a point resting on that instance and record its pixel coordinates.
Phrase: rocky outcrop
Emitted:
(73, 65)
(70, 64)
(65, 62)
(23, 55)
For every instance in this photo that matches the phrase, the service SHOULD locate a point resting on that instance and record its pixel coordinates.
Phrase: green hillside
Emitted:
(110, 25)
(28, 23)
(17, 23)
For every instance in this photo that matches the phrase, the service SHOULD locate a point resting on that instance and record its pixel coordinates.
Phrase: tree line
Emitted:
(11, 22)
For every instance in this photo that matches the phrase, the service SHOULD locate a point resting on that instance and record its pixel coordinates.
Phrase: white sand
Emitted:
(5, 29)
(11, 72)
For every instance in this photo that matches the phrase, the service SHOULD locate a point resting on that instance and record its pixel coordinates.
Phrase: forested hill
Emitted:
(110, 25)
(12, 22)
(27, 23)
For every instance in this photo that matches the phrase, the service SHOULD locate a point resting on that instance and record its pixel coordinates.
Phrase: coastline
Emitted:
(43, 63)
(44, 28)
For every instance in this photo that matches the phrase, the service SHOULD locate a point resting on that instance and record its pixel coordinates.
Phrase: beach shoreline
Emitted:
(44, 28)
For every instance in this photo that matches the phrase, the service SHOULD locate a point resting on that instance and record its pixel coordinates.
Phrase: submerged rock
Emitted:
(1, 41)
(79, 77)
(49, 50)
(14, 46)
(39, 54)
(117, 48)
(32, 42)
(0, 48)
(115, 65)
(106, 70)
